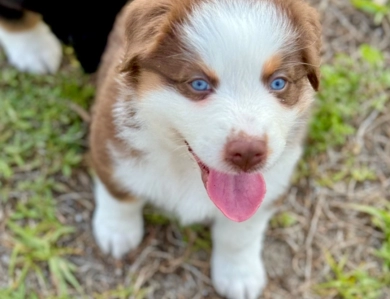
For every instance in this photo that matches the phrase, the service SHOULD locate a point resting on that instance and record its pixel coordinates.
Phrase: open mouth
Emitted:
(237, 196)
(205, 171)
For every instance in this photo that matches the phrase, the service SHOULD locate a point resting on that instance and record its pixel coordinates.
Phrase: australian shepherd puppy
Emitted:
(201, 110)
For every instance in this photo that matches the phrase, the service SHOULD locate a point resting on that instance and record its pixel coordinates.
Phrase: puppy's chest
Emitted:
(171, 183)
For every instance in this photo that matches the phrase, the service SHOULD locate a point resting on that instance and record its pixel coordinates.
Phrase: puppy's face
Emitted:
(233, 79)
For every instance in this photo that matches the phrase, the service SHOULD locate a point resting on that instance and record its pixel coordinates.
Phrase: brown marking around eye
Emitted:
(197, 71)
(306, 22)
(271, 66)
(154, 43)
(148, 81)
(179, 73)
(294, 72)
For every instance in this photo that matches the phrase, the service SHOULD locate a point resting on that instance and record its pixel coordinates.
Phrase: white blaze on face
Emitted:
(234, 39)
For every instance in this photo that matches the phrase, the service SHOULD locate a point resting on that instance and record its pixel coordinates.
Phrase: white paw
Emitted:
(117, 236)
(238, 279)
(118, 226)
(36, 50)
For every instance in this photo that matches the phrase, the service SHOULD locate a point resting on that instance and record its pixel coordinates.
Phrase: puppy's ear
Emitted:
(152, 35)
(311, 46)
(144, 22)
(309, 27)
(306, 21)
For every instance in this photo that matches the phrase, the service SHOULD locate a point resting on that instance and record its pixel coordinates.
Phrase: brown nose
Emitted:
(246, 153)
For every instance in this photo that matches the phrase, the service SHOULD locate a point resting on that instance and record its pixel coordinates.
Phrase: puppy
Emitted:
(201, 110)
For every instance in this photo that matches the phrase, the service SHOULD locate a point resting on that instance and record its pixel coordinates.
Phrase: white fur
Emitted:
(35, 50)
(117, 226)
(234, 39)
(236, 270)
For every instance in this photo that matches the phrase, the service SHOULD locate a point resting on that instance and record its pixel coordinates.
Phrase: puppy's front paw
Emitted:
(238, 279)
(36, 50)
(117, 236)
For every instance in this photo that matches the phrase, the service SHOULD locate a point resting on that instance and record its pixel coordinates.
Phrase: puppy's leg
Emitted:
(237, 268)
(117, 225)
(30, 45)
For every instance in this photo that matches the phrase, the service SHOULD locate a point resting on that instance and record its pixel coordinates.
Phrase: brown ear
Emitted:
(150, 34)
(310, 42)
(144, 20)
(306, 21)
(311, 55)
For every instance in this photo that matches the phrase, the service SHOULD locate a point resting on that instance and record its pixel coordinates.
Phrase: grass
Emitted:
(361, 283)
(41, 141)
(378, 10)
(283, 220)
(196, 236)
(354, 284)
(381, 220)
(120, 292)
(351, 91)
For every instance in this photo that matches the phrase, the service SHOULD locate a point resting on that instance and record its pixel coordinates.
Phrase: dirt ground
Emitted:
(171, 268)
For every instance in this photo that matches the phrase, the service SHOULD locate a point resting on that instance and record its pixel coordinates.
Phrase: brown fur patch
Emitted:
(136, 54)
(148, 81)
(303, 61)
(271, 66)
(29, 20)
(155, 46)
(306, 21)
(102, 130)
(295, 73)
(180, 73)
(152, 41)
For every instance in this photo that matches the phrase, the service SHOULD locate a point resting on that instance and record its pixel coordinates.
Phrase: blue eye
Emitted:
(278, 84)
(200, 85)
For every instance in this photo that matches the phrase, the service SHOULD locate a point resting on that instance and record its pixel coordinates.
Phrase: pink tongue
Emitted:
(237, 196)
